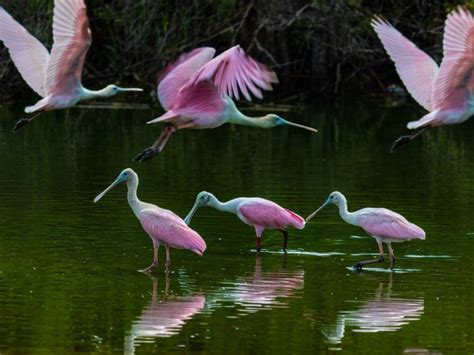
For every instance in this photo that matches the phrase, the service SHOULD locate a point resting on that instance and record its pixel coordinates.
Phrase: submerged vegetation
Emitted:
(319, 46)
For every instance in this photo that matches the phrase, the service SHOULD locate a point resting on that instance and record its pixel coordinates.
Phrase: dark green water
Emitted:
(68, 279)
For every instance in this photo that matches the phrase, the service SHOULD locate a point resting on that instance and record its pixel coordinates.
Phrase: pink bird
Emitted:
(55, 76)
(446, 92)
(163, 226)
(255, 211)
(196, 93)
(382, 224)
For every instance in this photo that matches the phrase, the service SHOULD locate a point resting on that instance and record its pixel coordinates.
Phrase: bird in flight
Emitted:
(55, 76)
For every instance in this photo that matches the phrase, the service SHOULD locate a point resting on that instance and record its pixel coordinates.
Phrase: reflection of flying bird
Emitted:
(257, 212)
(55, 76)
(162, 317)
(384, 225)
(382, 313)
(446, 92)
(163, 226)
(196, 93)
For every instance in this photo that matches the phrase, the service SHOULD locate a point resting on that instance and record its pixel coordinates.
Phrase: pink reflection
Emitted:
(162, 317)
(382, 313)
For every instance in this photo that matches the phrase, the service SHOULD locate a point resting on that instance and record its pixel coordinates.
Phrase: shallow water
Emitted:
(68, 267)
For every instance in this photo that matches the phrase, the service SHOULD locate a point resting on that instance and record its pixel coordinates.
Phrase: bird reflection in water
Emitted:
(382, 313)
(262, 290)
(163, 317)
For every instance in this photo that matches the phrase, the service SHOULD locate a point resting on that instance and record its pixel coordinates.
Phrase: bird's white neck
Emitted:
(348, 217)
(229, 206)
(86, 94)
(237, 117)
(135, 204)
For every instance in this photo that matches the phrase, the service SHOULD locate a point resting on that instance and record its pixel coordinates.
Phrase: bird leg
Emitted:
(402, 140)
(168, 259)
(259, 240)
(392, 255)
(378, 259)
(160, 143)
(285, 240)
(158, 146)
(24, 122)
(154, 264)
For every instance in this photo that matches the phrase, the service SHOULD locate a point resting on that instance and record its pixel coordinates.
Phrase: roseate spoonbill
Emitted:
(55, 76)
(196, 92)
(163, 226)
(255, 211)
(384, 225)
(446, 92)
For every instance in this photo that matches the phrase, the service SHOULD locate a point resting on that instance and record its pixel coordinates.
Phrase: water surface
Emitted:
(68, 267)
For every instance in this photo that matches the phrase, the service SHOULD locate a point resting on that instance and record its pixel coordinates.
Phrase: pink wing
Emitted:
(381, 222)
(177, 74)
(168, 228)
(28, 54)
(233, 71)
(417, 70)
(455, 75)
(72, 39)
(270, 215)
(200, 100)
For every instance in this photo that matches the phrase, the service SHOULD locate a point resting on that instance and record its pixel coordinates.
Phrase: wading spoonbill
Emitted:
(163, 226)
(255, 211)
(55, 76)
(196, 93)
(380, 223)
(446, 92)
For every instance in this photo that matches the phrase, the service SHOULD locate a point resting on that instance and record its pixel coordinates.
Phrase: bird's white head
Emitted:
(335, 198)
(112, 90)
(124, 176)
(271, 120)
(203, 199)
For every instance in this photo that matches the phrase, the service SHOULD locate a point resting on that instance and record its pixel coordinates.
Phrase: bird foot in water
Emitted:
(360, 264)
(150, 268)
(146, 154)
(21, 123)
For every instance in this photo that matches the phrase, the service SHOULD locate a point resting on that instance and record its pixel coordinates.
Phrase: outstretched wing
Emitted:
(455, 79)
(233, 71)
(382, 222)
(417, 70)
(166, 227)
(177, 74)
(28, 54)
(72, 39)
(201, 100)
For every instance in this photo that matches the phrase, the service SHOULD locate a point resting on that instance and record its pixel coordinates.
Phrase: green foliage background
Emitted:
(322, 46)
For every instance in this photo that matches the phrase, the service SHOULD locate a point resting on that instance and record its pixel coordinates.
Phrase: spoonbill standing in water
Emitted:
(384, 225)
(55, 76)
(196, 92)
(163, 226)
(447, 91)
(255, 211)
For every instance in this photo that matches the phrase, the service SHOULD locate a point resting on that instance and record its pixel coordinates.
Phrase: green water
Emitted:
(68, 267)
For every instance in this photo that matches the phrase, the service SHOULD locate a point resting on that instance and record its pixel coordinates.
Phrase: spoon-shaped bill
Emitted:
(191, 213)
(314, 213)
(130, 89)
(301, 126)
(102, 194)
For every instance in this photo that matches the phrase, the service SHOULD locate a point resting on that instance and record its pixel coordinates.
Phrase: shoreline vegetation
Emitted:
(322, 47)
